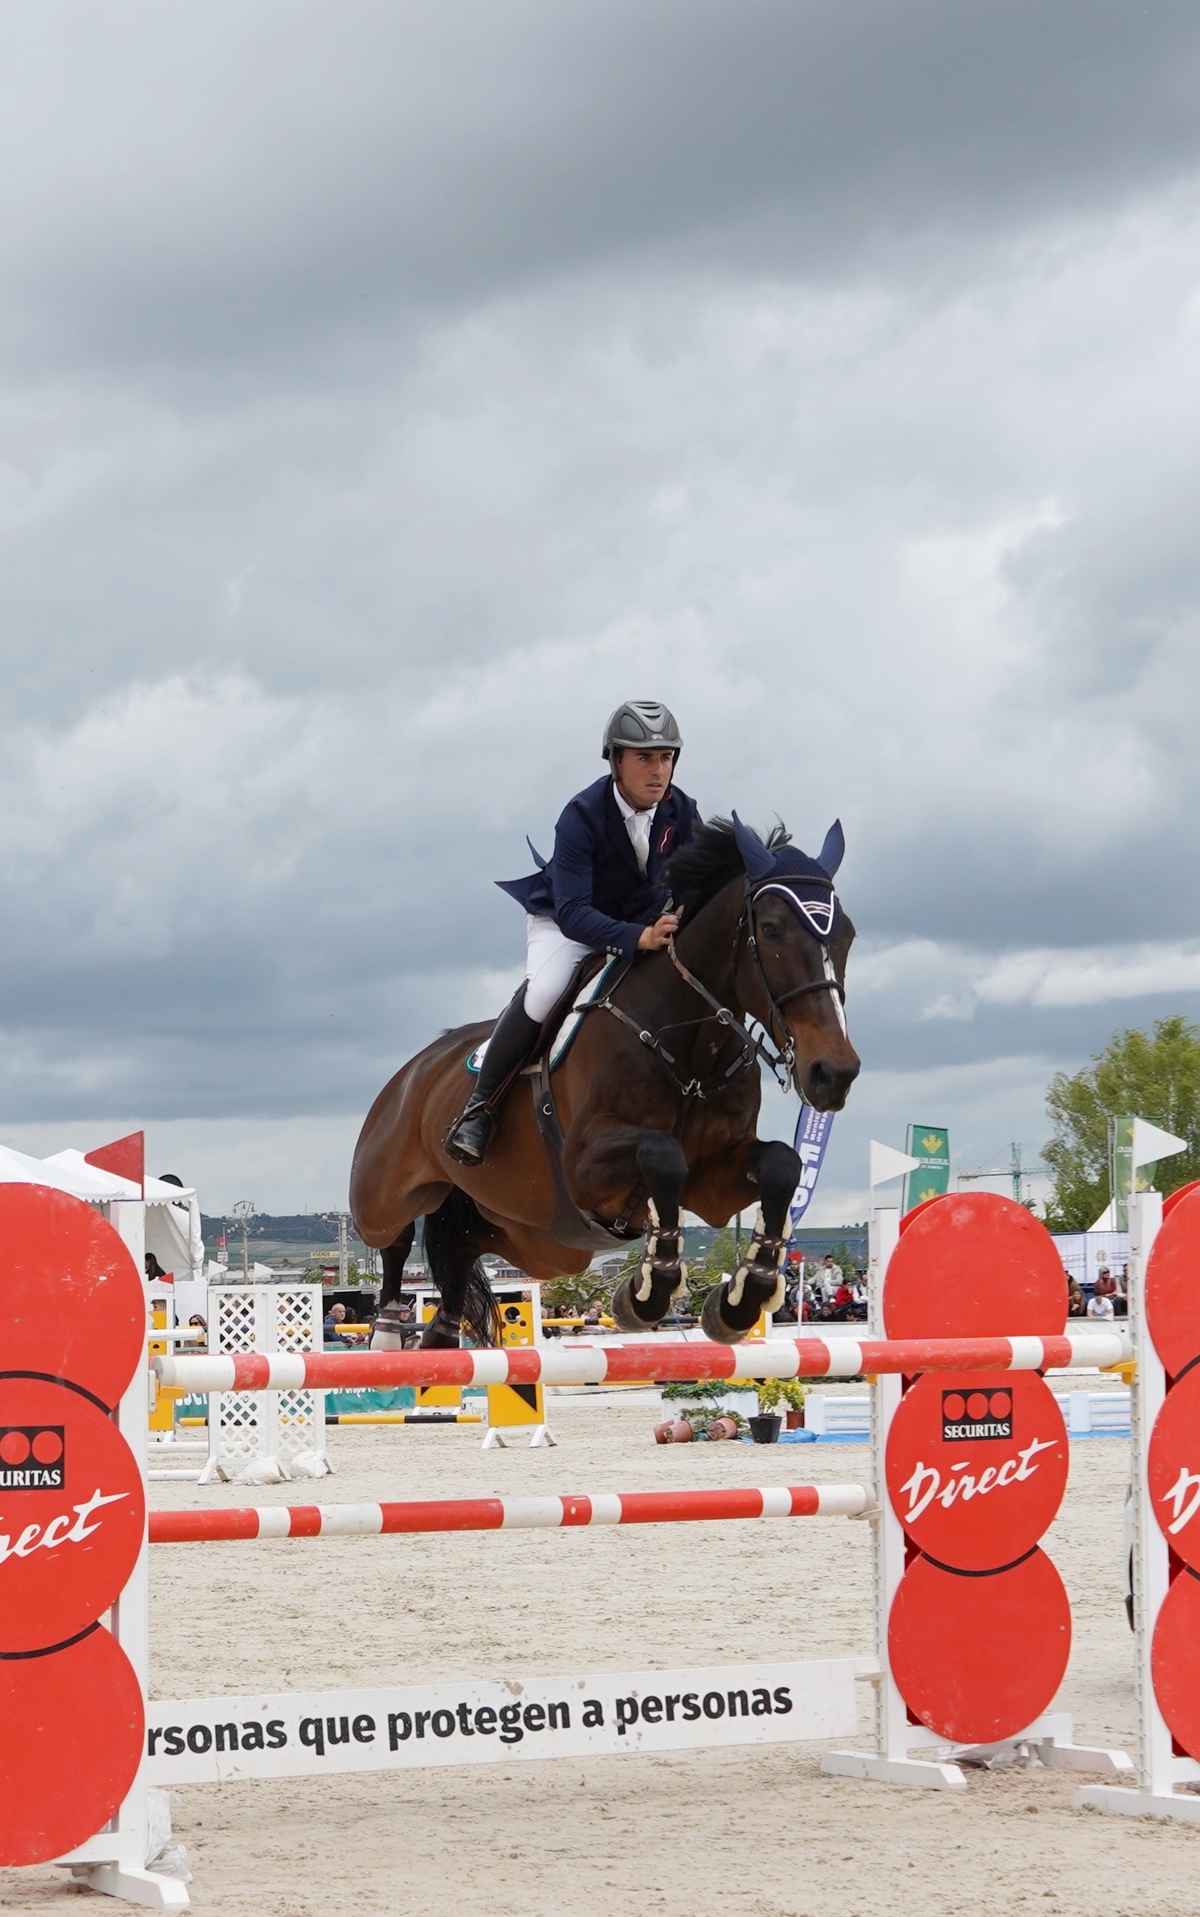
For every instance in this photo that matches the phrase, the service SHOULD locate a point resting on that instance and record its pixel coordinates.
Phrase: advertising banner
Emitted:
(930, 1146)
(476, 1721)
(812, 1136)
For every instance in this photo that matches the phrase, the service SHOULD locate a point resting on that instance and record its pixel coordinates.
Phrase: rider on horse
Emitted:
(601, 892)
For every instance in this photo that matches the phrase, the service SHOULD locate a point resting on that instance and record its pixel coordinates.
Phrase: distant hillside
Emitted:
(298, 1228)
(315, 1232)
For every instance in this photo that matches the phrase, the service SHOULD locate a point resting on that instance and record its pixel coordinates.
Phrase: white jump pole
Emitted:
(509, 1514)
(650, 1363)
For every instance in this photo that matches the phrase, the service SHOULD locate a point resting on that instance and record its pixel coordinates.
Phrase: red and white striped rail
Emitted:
(659, 1363)
(508, 1514)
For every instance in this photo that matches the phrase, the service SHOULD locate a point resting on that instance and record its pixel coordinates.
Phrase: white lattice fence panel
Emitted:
(240, 1319)
(266, 1434)
(298, 1318)
(301, 1414)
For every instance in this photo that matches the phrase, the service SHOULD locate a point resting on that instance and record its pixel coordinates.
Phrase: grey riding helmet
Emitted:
(640, 724)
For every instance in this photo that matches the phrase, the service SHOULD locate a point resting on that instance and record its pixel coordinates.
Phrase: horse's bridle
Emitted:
(779, 1058)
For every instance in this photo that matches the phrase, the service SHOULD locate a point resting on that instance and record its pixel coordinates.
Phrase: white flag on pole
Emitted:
(887, 1163)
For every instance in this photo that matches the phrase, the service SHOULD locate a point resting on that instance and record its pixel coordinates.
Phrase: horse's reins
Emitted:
(780, 1061)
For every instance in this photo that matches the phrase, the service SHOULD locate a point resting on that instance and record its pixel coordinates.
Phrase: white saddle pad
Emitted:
(561, 1043)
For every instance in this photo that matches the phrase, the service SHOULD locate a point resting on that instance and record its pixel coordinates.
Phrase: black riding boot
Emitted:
(513, 1038)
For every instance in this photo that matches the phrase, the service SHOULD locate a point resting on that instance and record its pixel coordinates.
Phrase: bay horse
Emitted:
(653, 1109)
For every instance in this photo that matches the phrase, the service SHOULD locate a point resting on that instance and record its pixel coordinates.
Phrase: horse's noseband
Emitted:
(783, 1061)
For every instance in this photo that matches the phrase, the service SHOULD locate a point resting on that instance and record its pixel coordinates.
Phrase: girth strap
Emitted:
(569, 1225)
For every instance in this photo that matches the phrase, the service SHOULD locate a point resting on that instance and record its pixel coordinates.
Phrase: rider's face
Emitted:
(643, 777)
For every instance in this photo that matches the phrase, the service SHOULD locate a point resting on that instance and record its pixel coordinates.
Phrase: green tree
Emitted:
(570, 1296)
(704, 1273)
(1155, 1076)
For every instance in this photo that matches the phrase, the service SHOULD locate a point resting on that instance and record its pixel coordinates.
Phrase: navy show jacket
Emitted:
(592, 888)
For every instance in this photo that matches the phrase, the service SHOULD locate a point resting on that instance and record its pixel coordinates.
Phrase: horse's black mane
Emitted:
(709, 860)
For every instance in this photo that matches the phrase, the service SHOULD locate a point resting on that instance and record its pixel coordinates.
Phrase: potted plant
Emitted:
(701, 1413)
(764, 1429)
(793, 1396)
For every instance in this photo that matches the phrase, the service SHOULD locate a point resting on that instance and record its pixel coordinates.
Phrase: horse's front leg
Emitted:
(733, 1308)
(389, 1328)
(642, 1299)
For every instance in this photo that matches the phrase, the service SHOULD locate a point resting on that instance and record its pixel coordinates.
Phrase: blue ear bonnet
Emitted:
(786, 869)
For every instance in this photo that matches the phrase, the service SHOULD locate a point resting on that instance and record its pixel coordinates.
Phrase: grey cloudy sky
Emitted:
(388, 390)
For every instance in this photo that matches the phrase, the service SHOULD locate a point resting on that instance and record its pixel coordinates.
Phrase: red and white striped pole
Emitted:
(508, 1514)
(657, 1363)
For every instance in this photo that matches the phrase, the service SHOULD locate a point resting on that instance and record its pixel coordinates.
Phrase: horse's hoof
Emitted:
(627, 1312)
(717, 1327)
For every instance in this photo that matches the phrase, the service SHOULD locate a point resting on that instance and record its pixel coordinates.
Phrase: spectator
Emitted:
(1076, 1302)
(335, 1318)
(844, 1303)
(1100, 1305)
(154, 1271)
(1105, 1285)
(593, 1313)
(829, 1277)
(1121, 1300)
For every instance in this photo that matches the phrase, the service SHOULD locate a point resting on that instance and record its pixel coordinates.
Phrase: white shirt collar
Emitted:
(628, 811)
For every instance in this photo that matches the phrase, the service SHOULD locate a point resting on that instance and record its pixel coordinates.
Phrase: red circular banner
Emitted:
(978, 1658)
(1173, 1284)
(1173, 1468)
(74, 1726)
(1175, 1661)
(1177, 1197)
(973, 1265)
(72, 1514)
(916, 1211)
(71, 1305)
(977, 1465)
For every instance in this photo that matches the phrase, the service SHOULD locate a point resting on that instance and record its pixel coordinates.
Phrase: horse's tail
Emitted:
(480, 1314)
(452, 1233)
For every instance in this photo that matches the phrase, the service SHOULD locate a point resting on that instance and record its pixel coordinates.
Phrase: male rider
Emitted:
(602, 891)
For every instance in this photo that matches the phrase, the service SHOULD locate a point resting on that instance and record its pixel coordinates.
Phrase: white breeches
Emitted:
(550, 959)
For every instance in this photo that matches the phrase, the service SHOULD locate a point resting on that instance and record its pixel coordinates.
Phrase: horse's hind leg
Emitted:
(388, 1334)
(645, 1297)
(455, 1235)
(731, 1310)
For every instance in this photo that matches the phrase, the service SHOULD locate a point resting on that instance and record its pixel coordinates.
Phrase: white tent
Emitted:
(169, 1213)
(82, 1181)
(173, 1230)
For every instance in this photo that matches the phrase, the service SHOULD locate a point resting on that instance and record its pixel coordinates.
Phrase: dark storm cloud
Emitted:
(389, 391)
(231, 180)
